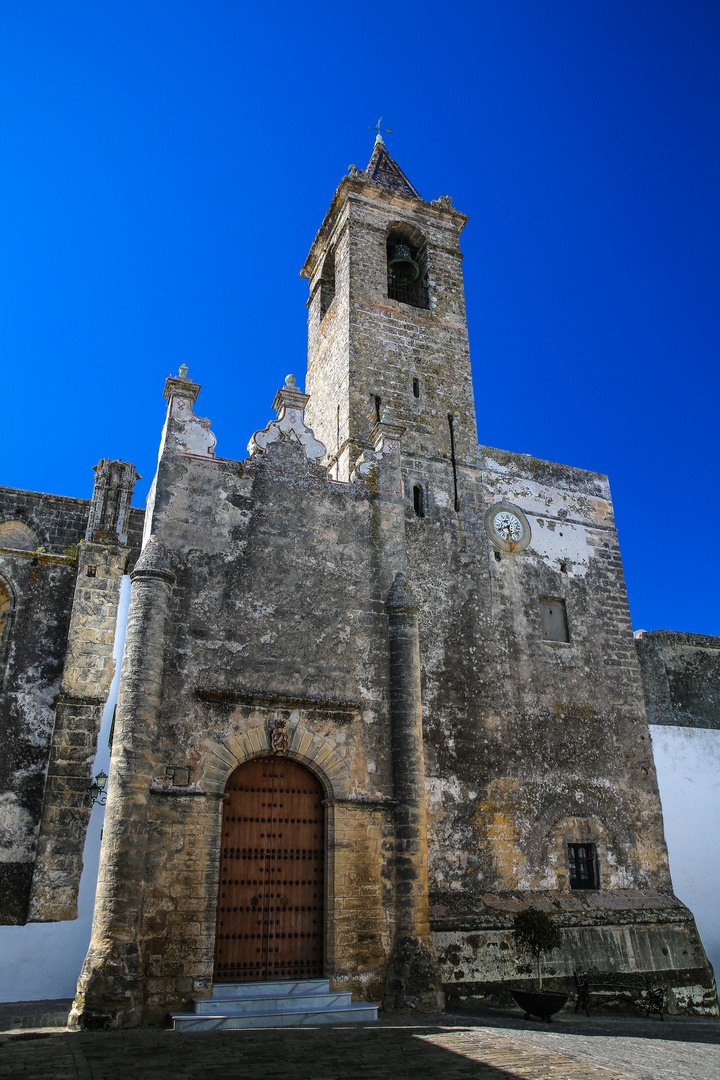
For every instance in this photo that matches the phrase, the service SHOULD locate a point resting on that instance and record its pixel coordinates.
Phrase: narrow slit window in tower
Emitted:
(378, 403)
(419, 500)
(416, 388)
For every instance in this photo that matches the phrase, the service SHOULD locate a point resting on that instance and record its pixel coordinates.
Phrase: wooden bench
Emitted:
(626, 986)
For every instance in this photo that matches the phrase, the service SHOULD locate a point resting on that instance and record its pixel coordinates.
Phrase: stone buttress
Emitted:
(112, 983)
(102, 559)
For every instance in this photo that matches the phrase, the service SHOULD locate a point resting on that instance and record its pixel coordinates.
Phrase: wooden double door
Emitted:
(270, 900)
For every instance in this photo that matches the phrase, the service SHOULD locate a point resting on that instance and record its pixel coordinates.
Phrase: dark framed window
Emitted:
(407, 274)
(419, 500)
(583, 866)
(554, 619)
(327, 283)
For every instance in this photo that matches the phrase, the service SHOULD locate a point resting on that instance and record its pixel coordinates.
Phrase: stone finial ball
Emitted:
(290, 380)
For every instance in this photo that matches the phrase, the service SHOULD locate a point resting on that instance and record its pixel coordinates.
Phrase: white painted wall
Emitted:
(43, 960)
(688, 771)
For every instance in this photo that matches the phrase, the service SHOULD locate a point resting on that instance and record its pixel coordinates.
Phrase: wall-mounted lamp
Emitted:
(97, 793)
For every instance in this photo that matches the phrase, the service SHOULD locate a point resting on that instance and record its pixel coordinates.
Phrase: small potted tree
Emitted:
(536, 932)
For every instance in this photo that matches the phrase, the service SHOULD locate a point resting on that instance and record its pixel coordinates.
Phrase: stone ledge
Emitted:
(39, 556)
(186, 792)
(678, 637)
(494, 911)
(79, 701)
(217, 696)
(367, 802)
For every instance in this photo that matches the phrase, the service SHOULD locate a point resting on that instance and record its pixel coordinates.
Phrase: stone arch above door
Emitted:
(221, 758)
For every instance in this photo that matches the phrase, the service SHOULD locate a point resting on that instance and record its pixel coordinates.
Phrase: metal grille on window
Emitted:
(407, 277)
(583, 874)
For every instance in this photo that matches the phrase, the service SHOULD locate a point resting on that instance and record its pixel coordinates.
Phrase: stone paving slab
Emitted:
(487, 1046)
(34, 1014)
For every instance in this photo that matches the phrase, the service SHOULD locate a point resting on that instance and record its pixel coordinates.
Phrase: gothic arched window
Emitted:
(407, 266)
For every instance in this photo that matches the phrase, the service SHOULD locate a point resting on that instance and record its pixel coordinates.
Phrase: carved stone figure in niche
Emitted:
(280, 738)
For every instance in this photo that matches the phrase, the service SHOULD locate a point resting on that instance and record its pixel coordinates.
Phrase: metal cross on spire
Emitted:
(376, 127)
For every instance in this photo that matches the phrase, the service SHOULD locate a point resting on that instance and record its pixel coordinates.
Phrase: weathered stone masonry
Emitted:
(462, 749)
(470, 702)
(56, 671)
(681, 677)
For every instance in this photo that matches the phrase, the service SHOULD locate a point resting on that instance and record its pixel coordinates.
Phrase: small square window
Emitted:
(554, 619)
(583, 866)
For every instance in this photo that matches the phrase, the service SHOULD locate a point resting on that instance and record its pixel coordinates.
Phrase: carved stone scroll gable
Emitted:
(386, 436)
(290, 424)
(365, 465)
(186, 433)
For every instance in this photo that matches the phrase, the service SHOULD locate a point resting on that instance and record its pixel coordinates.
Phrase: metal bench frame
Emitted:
(651, 998)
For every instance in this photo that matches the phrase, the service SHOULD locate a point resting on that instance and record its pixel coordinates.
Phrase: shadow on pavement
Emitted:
(672, 1028)
(320, 1053)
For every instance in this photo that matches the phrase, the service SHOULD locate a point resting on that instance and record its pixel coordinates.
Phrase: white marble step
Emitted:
(279, 988)
(238, 1006)
(347, 1014)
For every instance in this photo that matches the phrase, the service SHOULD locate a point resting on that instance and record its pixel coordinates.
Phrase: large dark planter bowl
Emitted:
(542, 1005)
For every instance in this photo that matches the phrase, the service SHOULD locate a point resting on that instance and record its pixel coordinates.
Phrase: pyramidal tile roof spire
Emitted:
(386, 172)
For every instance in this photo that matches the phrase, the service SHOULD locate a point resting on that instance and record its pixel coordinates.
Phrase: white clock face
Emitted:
(508, 527)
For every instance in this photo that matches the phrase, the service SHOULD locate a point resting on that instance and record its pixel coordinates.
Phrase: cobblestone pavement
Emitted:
(470, 1046)
(34, 1014)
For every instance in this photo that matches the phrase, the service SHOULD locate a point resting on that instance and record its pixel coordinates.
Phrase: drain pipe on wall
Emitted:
(451, 425)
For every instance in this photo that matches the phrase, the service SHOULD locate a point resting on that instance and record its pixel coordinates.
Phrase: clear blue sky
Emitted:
(166, 164)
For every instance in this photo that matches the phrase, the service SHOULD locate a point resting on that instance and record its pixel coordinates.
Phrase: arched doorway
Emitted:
(270, 900)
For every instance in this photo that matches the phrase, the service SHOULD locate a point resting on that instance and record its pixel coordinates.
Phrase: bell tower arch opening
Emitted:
(327, 283)
(407, 274)
(272, 874)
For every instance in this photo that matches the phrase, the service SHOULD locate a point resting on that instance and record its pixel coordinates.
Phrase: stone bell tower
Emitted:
(387, 326)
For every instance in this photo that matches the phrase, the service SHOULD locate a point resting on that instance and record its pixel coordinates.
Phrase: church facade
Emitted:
(379, 691)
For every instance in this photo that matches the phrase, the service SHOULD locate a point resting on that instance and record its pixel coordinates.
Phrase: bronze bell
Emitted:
(402, 265)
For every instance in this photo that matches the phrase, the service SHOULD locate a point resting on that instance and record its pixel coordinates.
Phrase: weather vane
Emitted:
(376, 127)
